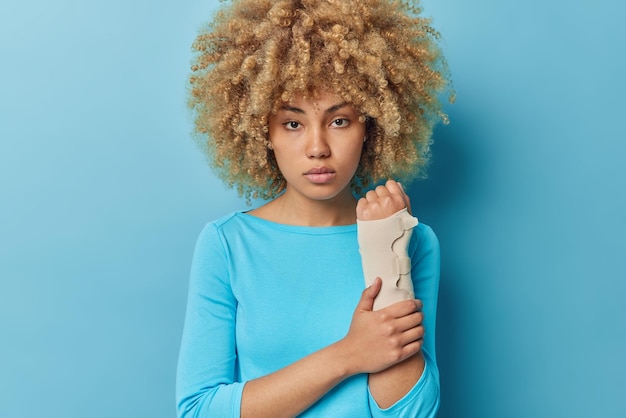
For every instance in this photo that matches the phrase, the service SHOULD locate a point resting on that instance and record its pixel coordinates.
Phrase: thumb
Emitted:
(407, 201)
(369, 294)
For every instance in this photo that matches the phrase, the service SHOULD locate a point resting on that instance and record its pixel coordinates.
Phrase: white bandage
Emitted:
(383, 245)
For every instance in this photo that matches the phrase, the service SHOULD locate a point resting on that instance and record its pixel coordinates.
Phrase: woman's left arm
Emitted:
(411, 387)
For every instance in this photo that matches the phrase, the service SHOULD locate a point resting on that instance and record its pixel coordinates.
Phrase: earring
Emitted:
(364, 138)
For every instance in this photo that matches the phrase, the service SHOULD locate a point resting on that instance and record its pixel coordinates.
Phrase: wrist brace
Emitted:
(383, 245)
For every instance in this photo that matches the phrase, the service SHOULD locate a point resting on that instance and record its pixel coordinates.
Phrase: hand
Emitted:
(379, 339)
(382, 202)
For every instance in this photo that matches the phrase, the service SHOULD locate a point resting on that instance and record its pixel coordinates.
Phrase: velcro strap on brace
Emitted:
(383, 245)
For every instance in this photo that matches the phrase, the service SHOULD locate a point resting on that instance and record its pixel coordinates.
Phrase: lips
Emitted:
(319, 170)
(320, 175)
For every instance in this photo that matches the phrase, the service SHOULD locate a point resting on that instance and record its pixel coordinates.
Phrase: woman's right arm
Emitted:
(375, 341)
(206, 377)
(206, 381)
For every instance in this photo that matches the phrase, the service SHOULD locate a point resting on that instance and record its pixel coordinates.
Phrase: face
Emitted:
(317, 143)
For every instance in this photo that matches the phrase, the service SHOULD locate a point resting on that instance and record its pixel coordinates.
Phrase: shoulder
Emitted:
(234, 228)
(213, 233)
(223, 223)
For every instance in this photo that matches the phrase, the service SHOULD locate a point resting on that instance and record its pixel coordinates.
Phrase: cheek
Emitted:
(352, 158)
(356, 150)
(284, 159)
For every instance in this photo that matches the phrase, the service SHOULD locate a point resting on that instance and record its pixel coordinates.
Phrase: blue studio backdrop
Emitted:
(103, 192)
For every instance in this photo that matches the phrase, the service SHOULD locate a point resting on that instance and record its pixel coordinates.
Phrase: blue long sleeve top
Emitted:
(263, 295)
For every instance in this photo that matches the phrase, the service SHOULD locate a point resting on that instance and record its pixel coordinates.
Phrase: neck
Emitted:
(292, 209)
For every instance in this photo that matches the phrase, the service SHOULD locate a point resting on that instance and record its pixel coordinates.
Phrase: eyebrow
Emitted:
(327, 111)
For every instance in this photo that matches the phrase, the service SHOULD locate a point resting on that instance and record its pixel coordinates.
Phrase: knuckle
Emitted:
(394, 343)
(392, 200)
(396, 355)
(409, 305)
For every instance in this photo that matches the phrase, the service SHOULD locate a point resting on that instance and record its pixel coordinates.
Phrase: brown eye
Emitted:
(292, 125)
(341, 122)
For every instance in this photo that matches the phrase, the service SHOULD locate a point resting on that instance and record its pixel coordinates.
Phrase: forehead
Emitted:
(313, 96)
(322, 101)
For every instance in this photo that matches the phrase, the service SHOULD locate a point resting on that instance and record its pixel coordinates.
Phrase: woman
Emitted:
(306, 103)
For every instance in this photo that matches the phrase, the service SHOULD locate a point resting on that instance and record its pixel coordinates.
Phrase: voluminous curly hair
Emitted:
(380, 56)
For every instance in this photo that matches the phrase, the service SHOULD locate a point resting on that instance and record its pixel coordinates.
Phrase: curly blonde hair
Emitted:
(379, 56)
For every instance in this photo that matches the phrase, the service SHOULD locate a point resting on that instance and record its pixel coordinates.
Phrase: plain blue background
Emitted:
(103, 194)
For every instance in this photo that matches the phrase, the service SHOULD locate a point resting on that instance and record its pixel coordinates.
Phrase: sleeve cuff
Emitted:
(422, 401)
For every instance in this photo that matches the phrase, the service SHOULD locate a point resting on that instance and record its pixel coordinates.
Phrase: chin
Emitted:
(323, 195)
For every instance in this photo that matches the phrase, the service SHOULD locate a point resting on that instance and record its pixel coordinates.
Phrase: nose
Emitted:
(317, 145)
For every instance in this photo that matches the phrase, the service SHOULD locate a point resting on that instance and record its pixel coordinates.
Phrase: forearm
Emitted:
(290, 391)
(385, 228)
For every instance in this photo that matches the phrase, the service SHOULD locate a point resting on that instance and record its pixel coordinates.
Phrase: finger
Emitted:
(410, 321)
(407, 200)
(371, 196)
(412, 347)
(412, 335)
(418, 304)
(369, 294)
(394, 187)
(404, 308)
(382, 191)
